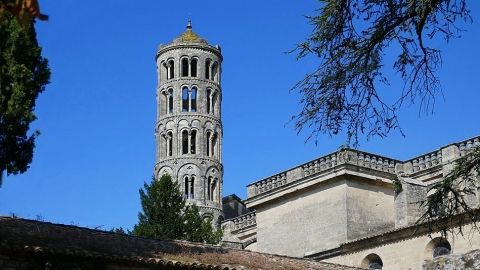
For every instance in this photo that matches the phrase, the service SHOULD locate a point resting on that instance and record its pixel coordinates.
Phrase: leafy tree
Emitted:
(457, 193)
(23, 76)
(165, 215)
(350, 39)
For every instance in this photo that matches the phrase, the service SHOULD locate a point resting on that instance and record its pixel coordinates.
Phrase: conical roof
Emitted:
(189, 36)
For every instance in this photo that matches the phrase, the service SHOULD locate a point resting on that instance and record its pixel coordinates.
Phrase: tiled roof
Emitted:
(23, 236)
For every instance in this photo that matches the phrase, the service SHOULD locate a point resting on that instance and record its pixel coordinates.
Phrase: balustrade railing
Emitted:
(271, 182)
(345, 156)
(468, 145)
(426, 161)
(360, 159)
(243, 221)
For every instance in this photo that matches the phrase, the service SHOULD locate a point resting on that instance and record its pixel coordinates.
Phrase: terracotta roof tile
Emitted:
(29, 236)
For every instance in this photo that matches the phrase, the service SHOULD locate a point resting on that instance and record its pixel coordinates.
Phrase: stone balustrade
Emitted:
(437, 158)
(243, 221)
(468, 145)
(426, 161)
(361, 159)
(349, 156)
(344, 156)
(372, 161)
(271, 182)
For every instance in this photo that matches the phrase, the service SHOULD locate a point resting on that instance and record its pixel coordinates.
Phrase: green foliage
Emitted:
(162, 205)
(455, 195)
(119, 230)
(198, 229)
(165, 216)
(23, 76)
(350, 39)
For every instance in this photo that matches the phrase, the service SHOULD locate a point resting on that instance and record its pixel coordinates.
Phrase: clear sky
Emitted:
(97, 116)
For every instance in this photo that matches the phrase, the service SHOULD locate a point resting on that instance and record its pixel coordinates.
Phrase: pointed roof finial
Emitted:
(189, 24)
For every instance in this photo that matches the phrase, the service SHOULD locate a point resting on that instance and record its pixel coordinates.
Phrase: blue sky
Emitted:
(97, 116)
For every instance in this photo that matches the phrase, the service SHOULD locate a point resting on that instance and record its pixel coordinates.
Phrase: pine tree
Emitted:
(165, 215)
(162, 205)
(23, 76)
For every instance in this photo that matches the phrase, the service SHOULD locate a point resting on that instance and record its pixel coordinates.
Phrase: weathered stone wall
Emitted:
(189, 130)
(408, 202)
(299, 223)
(369, 209)
(321, 216)
(410, 252)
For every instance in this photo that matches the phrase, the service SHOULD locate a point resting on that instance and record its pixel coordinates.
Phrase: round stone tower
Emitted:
(189, 128)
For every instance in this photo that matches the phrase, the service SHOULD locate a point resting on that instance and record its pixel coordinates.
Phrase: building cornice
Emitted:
(170, 47)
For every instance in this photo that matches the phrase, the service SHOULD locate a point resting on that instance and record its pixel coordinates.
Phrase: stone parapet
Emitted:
(323, 164)
(242, 222)
(468, 145)
(240, 231)
(438, 158)
(428, 164)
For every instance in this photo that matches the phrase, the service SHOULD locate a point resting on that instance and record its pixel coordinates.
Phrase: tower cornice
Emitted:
(181, 116)
(208, 48)
(189, 80)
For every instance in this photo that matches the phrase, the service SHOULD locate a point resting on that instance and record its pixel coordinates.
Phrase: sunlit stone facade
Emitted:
(189, 127)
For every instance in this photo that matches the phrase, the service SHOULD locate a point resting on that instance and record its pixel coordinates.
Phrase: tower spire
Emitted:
(189, 24)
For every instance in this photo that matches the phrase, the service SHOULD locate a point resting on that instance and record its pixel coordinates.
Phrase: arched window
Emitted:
(209, 188)
(169, 144)
(185, 67)
(185, 182)
(171, 67)
(192, 187)
(372, 261)
(170, 100)
(209, 101)
(184, 99)
(214, 101)
(193, 142)
(166, 145)
(214, 145)
(441, 249)
(165, 68)
(184, 142)
(215, 72)
(193, 67)
(437, 247)
(189, 185)
(193, 99)
(164, 104)
(207, 69)
(213, 191)
(209, 134)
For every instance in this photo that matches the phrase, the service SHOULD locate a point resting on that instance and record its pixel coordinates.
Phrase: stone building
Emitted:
(33, 245)
(339, 208)
(342, 208)
(189, 127)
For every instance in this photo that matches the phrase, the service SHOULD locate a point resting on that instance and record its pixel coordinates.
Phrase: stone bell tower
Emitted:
(189, 128)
